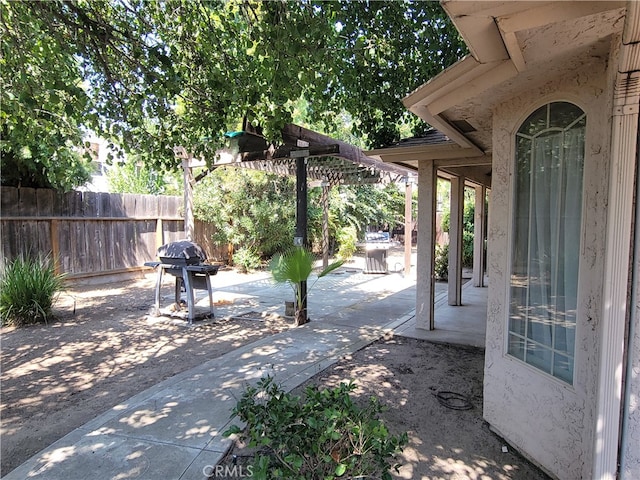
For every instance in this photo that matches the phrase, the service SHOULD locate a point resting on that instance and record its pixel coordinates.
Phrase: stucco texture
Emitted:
(552, 421)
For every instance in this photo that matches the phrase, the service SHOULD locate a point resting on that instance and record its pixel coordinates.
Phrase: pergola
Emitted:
(308, 155)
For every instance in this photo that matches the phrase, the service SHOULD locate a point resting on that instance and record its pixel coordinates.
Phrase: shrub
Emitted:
(347, 238)
(467, 248)
(323, 436)
(442, 262)
(28, 288)
(246, 259)
(467, 231)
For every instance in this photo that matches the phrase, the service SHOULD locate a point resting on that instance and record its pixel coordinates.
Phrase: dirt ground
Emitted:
(59, 376)
(411, 377)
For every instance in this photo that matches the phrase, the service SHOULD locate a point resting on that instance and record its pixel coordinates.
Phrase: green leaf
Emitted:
(295, 266)
(340, 469)
(331, 268)
(232, 430)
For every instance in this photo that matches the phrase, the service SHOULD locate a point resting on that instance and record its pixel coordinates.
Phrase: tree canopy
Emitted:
(150, 75)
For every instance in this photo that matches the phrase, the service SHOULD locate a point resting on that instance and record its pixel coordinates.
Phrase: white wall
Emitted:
(549, 421)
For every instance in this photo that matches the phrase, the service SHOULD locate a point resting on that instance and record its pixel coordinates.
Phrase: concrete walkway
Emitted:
(174, 429)
(465, 324)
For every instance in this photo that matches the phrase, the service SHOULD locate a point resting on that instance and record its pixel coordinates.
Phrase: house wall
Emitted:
(547, 420)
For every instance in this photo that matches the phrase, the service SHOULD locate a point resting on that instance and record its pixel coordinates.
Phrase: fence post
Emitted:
(159, 233)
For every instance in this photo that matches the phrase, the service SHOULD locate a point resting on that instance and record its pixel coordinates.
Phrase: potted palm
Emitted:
(294, 267)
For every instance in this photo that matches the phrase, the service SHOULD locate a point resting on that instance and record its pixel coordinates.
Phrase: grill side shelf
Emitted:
(208, 269)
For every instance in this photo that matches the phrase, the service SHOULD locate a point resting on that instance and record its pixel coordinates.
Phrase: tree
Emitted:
(42, 106)
(133, 176)
(468, 219)
(294, 267)
(156, 74)
(385, 50)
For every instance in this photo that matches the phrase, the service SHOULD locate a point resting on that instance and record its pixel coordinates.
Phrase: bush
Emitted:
(347, 238)
(246, 259)
(467, 231)
(442, 262)
(323, 436)
(28, 288)
(467, 248)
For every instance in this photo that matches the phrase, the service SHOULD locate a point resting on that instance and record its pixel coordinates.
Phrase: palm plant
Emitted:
(294, 267)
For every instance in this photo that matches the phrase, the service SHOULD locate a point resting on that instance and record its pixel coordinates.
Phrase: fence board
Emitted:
(59, 204)
(89, 207)
(45, 202)
(64, 245)
(73, 204)
(169, 208)
(174, 231)
(109, 251)
(25, 235)
(96, 249)
(8, 238)
(119, 243)
(44, 237)
(128, 205)
(9, 201)
(76, 240)
(27, 202)
(103, 205)
(203, 233)
(146, 247)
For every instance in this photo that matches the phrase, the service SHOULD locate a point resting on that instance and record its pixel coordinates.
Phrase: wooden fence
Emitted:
(87, 233)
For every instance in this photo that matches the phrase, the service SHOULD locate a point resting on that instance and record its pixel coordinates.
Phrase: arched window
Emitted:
(547, 223)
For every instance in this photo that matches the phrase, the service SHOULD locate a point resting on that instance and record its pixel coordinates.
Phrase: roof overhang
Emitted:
(509, 39)
(449, 158)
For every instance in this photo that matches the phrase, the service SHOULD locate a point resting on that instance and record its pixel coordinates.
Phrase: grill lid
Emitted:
(183, 249)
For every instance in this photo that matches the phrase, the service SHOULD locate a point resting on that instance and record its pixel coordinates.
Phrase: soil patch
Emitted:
(101, 350)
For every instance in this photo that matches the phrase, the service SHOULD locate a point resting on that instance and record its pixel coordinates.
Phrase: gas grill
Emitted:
(185, 260)
(376, 250)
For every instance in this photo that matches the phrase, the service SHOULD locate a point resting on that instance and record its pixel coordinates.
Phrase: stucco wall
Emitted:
(549, 421)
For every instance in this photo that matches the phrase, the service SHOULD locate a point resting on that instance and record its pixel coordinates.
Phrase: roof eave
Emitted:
(488, 28)
(463, 80)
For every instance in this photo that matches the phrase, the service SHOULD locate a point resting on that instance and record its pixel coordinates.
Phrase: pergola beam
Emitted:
(291, 133)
